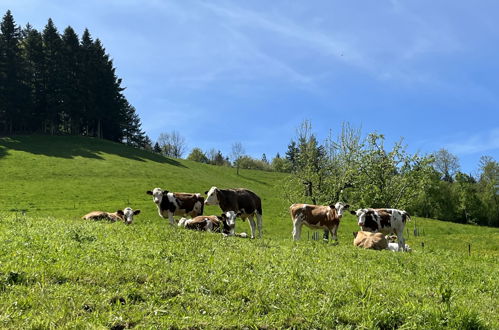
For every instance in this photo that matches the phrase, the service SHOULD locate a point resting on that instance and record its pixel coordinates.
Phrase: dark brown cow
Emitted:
(126, 215)
(242, 201)
(368, 240)
(181, 204)
(316, 217)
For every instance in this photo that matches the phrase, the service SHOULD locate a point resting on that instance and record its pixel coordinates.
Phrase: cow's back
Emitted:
(192, 203)
(368, 240)
(240, 200)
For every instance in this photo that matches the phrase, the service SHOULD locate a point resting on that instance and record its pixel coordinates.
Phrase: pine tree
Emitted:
(52, 47)
(71, 107)
(32, 52)
(12, 91)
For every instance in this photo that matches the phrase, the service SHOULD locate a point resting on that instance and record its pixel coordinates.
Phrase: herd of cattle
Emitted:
(245, 204)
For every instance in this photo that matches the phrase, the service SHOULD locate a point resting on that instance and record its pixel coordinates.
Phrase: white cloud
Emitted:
(477, 143)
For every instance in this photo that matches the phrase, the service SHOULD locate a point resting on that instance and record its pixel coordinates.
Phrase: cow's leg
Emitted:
(334, 232)
(297, 224)
(325, 236)
(170, 218)
(259, 223)
(252, 225)
(400, 239)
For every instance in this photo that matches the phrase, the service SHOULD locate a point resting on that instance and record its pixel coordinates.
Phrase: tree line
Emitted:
(360, 170)
(54, 83)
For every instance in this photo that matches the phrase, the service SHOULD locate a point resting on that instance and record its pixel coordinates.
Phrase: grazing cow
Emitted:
(181, 204)
(221, 224)
(386, 221)
(242, 201)
(317, 217)
(369, 240)
(126, 215)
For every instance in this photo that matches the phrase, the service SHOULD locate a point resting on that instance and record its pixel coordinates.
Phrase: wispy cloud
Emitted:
(477, 143)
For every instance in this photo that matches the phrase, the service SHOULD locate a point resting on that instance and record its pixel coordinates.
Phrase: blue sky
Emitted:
(221, 72)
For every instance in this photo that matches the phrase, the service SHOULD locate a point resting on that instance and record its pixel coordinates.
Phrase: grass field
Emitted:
(59, 271)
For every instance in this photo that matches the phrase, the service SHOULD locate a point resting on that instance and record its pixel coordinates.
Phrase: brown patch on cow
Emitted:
(368, 240)
(187, 203)
(316, 215)
(100, 215)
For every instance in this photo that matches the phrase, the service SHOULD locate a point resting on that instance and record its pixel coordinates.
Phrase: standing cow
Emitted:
(385, 221)
(317, 217)
(239, 200)
(181, 204)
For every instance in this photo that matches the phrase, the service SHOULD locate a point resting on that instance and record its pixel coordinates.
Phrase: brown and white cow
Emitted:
(317, 217)
(369, 240)
(221, 224)
(386, 221)
(170, 204)
(241, 201)
(125, 215)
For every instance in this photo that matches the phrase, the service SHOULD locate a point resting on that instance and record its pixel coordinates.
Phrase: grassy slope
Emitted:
(56, 270)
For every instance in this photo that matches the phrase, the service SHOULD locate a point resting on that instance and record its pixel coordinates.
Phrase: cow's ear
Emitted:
(136, 212)
(346, 206)
(353, 212)
(120, 212)
(165, 192)
(149, 192)
(206, 192)
(355, 234)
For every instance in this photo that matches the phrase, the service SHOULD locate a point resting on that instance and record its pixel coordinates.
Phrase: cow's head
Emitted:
(340, 207)
(229, 222)
(361, 215)
(212, 196)
(157, 194)
(128, 214)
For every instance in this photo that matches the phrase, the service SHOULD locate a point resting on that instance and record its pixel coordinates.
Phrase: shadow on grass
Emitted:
(77, 146)
(253, 179)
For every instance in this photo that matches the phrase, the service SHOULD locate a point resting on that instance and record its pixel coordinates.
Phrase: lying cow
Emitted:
(385, 221)
(224, 223)
(369, 240)
(242, 201)
(125, 215)
(181, 204)
(317, 217)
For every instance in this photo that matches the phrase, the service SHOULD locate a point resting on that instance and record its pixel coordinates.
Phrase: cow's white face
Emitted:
(128, 214)
(340, 207)
(231, 220)
(361, 216)
(157, 195)
(212, 197)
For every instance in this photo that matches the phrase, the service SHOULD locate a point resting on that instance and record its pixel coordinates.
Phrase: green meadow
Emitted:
(57, 270)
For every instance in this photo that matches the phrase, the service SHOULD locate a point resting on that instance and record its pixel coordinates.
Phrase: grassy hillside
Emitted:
(59, 271)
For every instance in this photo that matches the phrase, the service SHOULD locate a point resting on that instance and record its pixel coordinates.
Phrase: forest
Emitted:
(53, 83)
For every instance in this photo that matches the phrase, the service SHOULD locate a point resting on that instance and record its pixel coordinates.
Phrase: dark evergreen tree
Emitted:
(157, 148)
(32, 52)
(71, 99)
(12, 90)
(52, 73)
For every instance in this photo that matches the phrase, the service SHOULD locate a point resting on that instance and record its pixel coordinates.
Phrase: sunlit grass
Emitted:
(59, 271)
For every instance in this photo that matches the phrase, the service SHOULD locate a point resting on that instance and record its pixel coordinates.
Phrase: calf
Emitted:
(369, 240)
(242, 201)
(125, 215)
(222, 224)
(181, 204)
(385, 221)
(316, 217)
